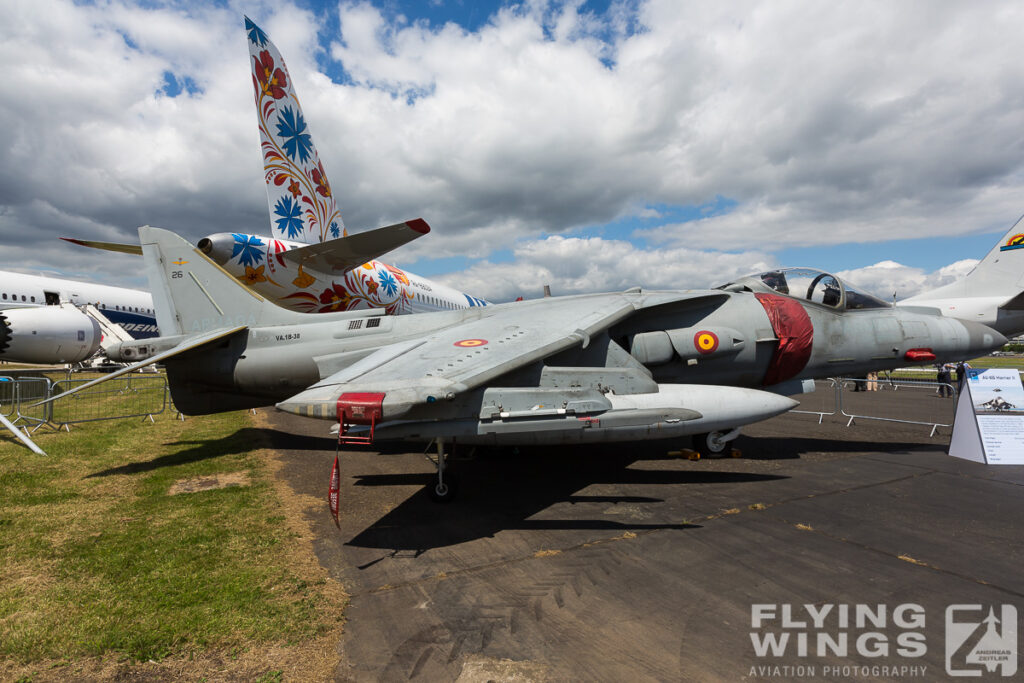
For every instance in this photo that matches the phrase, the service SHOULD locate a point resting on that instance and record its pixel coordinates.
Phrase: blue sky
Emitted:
(590, 146)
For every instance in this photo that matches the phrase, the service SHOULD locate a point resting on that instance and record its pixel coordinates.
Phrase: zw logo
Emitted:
(975, 641)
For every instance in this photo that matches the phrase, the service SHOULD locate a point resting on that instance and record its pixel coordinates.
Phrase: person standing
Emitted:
(961, 375)
(944, 377)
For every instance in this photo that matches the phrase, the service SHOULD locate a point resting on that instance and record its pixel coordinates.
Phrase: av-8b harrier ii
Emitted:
(619, 366)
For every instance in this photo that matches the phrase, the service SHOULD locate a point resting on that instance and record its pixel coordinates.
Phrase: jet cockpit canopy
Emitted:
(808, 284)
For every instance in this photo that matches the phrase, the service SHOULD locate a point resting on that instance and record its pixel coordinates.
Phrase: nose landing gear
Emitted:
(445, 485)
(714, 444)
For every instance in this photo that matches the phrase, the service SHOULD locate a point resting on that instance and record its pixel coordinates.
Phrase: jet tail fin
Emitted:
(346, 253)
(302, 206)
(192, 294)
(999, 274)
(1003, 266)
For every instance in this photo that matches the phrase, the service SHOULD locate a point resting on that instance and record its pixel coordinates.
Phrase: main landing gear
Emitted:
(445, 486)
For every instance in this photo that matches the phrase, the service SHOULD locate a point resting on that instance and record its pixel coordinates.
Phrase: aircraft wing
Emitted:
(446, 363)
(106, 246)
(346, 253)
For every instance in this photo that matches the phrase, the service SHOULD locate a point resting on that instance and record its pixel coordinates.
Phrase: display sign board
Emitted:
(989, 423)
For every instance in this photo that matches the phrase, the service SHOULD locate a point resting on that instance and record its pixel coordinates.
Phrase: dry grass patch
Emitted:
(217, 481)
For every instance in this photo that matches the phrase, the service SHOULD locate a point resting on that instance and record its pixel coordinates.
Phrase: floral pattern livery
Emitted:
(303, 211)
(302, 205)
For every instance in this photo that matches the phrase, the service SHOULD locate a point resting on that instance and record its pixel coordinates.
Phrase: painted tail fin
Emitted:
(302, 206)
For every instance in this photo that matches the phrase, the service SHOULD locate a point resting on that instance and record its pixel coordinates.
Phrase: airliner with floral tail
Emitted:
(310, 263)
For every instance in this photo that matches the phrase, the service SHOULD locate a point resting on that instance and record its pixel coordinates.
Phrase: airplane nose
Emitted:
(983, 339)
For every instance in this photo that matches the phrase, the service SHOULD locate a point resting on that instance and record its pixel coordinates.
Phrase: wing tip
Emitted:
(419, 225)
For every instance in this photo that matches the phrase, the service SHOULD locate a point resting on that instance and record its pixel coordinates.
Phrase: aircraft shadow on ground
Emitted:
(789, 447)
(241, 441)
(505, 489)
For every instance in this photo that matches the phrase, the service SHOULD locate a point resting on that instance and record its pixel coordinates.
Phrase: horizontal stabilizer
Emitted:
(345, 253)
(1013, 304)
(187, 344)
(107, 246)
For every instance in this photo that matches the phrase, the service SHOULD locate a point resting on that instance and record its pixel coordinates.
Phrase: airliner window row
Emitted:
(127, 309)
(441, 303)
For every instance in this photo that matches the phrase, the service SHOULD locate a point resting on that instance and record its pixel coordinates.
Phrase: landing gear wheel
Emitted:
(444, 492)
(710, 445)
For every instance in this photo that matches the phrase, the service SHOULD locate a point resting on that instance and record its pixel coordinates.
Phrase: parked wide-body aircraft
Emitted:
(991, 294)
(310, 263)
(41, 320)
(600, 367)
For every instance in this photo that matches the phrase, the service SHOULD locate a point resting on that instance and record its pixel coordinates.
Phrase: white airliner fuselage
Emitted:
(40, 321)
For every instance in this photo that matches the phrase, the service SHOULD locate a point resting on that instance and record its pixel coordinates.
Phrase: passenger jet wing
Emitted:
(454, 360)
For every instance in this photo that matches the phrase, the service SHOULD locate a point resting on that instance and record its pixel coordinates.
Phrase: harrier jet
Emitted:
(620, 366)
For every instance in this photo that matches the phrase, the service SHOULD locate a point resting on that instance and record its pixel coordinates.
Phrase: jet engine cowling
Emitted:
(48, 334)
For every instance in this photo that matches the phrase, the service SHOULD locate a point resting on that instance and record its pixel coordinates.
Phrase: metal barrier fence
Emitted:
(856, 399)
(915, 407)
(133, 395)
(19, 392)
(8, 397)
(823, 401)
(31, 390)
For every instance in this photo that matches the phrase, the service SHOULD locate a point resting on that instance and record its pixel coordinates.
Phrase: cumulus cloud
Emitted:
(825, 124)
(573, 265)
(886, 278)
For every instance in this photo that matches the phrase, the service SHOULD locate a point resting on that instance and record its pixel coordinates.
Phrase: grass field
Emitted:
(105, 567)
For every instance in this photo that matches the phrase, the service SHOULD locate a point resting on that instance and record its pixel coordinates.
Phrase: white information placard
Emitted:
(989, 423)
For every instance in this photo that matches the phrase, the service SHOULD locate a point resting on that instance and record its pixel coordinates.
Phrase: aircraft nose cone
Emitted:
(983, 338)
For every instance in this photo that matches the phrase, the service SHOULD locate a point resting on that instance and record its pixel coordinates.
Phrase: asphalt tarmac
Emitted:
(623, 562)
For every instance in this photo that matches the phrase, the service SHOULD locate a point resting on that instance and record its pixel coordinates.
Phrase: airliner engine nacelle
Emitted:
(48, 334)
(221, 247)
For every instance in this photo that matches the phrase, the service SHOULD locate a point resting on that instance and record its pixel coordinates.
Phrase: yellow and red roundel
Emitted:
(470, 343)
(705, 341)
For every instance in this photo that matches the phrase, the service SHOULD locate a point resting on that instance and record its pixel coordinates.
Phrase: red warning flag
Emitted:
(333, 491)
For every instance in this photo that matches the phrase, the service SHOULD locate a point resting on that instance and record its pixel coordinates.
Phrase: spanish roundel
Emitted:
(705, 341)
(470, 343)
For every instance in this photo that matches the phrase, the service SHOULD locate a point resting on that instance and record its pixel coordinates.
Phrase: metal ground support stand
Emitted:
(444, 488)
(21, 436)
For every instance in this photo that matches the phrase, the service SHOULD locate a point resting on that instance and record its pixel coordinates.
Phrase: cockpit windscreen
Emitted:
(810, 285)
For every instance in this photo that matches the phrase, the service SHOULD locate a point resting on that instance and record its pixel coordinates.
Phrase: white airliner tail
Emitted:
(992, 293)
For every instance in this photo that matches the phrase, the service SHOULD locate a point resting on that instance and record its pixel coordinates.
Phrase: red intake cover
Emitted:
(793, 327)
